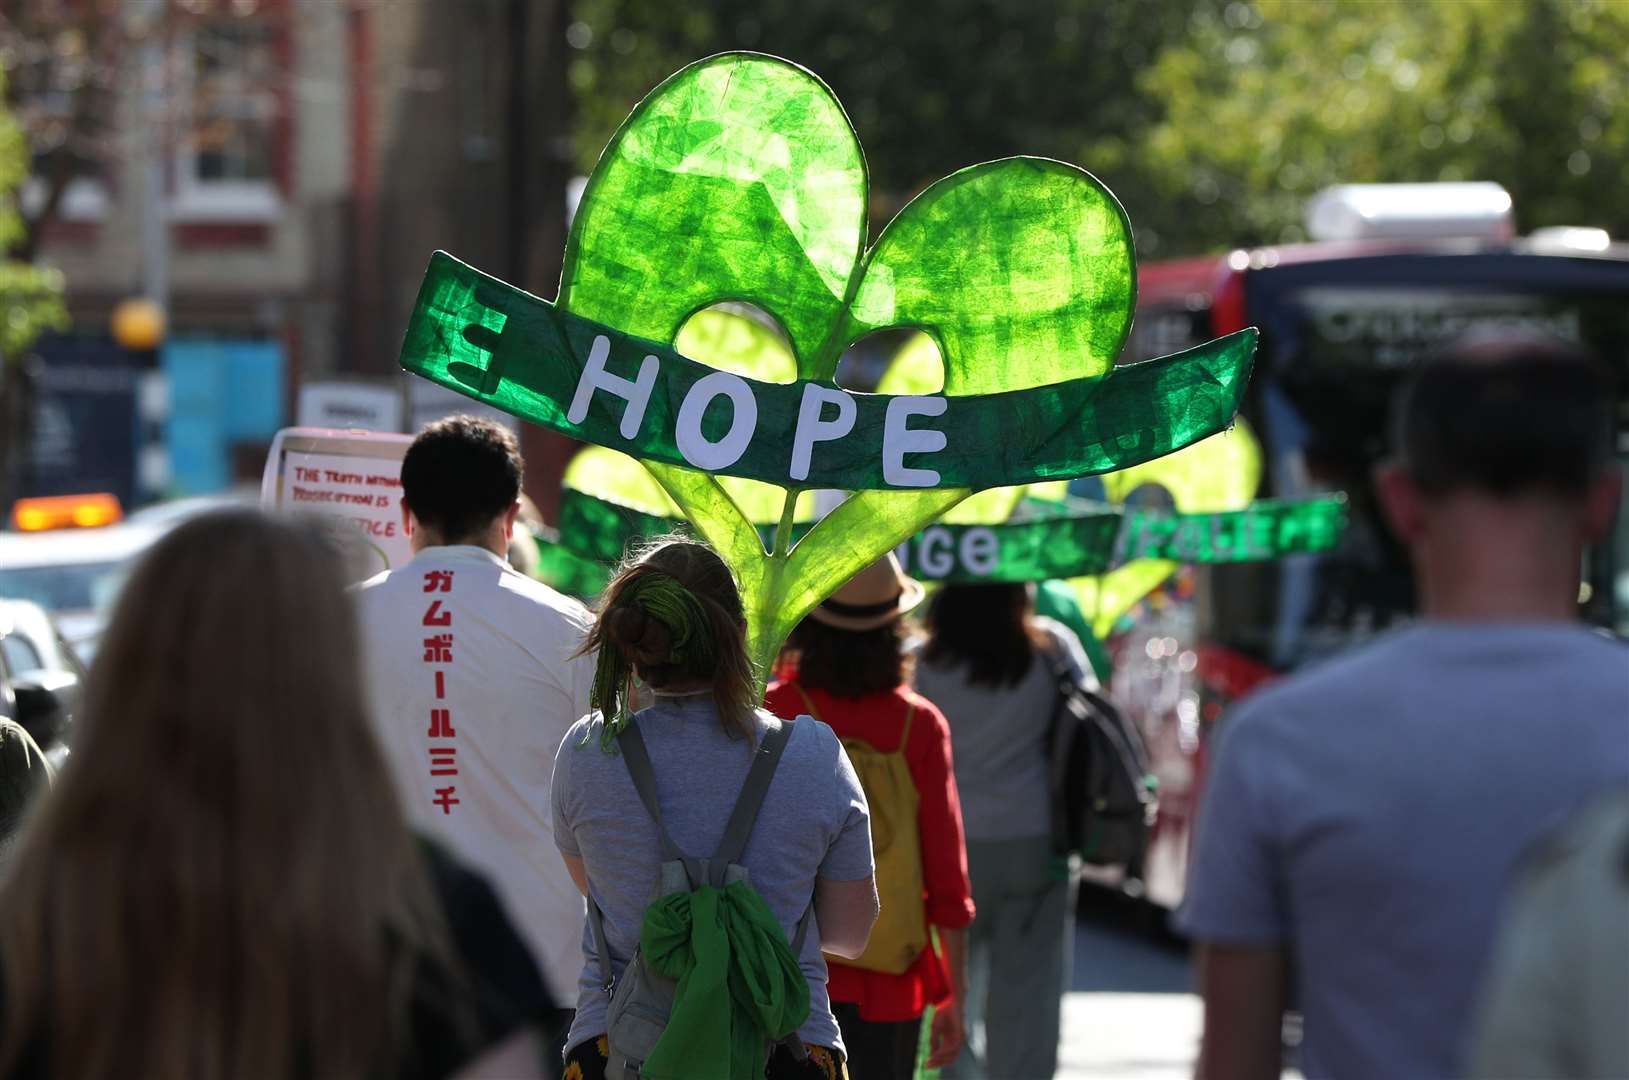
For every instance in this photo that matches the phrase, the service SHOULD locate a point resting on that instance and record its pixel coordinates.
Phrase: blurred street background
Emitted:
(270, 176)
(216, 214)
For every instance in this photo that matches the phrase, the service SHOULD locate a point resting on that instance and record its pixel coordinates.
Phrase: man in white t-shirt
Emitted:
(1364, 820)
(473, 681)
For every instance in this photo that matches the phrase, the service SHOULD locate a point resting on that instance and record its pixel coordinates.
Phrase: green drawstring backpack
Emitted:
(713, 986)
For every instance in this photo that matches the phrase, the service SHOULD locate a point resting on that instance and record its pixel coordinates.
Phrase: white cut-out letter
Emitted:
(636, 391)
(695, 447)
(935, 554)
(812, 429)
(899, 440)
(981, 551)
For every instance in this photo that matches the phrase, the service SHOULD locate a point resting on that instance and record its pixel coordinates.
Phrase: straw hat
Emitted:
(874, 597)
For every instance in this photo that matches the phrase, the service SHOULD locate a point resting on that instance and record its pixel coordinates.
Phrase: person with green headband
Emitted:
(671, 630)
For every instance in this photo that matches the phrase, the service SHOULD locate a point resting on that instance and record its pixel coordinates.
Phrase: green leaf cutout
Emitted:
(739, 179)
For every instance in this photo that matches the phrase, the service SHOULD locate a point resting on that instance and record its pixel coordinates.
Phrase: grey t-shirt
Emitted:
(1368, 817)
(813, 823)
(998, 739)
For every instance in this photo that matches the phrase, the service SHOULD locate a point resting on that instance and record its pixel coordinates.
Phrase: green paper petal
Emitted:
(737, 178)
(1020, 270)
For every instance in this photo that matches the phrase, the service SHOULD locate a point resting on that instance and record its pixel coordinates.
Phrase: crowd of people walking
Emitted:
(449, 822)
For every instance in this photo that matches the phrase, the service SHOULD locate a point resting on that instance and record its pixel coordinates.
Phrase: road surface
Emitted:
(1131, 1014)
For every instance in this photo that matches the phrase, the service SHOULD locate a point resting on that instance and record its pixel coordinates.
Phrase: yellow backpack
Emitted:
(901, 932)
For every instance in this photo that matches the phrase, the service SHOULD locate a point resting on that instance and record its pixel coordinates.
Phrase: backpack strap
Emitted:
(602, 951)
(637, 758)
(905, 735)
(751, 799)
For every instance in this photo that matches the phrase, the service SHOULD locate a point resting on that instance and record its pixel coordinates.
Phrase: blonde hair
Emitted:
(222, 885)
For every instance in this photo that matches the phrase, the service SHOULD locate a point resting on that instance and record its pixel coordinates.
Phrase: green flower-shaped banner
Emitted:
(739, 178)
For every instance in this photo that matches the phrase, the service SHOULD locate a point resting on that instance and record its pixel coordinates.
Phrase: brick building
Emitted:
(313, 154)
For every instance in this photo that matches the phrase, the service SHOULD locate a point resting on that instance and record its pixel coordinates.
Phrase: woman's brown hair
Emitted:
(850, 663)
(990, 628)
(672, 616)
(222, 885)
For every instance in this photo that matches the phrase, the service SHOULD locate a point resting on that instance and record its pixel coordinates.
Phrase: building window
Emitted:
(226, 165)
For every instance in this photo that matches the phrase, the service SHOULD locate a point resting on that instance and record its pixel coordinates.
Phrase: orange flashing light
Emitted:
(65, 512)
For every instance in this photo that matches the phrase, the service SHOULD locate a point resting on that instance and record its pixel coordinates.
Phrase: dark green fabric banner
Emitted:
(477, 335)
(1266, 529)
(1049, 540)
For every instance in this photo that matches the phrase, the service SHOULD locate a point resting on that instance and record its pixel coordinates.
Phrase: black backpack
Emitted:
(1102, 789)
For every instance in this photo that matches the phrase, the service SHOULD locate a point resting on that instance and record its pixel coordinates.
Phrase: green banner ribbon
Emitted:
(1266, 529)
(475, 334)
(1048, 540)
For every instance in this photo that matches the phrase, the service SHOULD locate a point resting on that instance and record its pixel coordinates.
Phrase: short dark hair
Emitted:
(1506, 416)
(851, 664)
(460, 474)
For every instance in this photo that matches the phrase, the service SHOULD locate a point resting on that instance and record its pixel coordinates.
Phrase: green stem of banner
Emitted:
(762, 650)
(783, 532)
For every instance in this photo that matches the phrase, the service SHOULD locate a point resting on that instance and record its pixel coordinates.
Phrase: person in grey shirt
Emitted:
(673, 618)
(1364, 819)
(983, 665)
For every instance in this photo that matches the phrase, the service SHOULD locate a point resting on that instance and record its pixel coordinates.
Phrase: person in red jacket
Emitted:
(846, 665)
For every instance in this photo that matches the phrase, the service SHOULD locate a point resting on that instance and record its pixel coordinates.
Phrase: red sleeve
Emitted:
(939, 819)
(784, 701)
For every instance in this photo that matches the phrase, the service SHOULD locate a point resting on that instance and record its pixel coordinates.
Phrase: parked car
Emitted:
(74, 574)
(73, 567)
(40, 677)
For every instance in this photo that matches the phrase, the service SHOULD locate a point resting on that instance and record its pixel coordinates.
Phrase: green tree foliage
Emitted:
(1212, 120)
(1265, 103)
(930, 88)
(30, 295)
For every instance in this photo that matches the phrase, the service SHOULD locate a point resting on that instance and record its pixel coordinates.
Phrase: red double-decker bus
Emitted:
(1342, 320)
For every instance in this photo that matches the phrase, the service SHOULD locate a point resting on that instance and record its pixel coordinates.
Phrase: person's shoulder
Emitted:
(547, 601)
(1322, 684)
(812, 740)
(582, 736)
